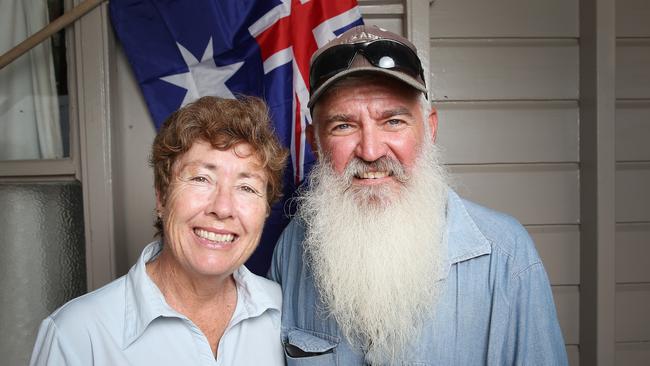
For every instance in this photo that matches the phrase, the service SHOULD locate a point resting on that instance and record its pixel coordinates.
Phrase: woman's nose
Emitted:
(221, 204)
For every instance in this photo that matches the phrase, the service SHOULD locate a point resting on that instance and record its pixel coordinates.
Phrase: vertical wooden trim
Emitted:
(91, 37)
(417, 30)
(597, 180)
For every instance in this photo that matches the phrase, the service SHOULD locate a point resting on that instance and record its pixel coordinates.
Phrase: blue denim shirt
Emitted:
(496, 308)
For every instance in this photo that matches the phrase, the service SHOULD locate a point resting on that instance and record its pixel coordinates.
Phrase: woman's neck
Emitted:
(185, 289)
(209, 302)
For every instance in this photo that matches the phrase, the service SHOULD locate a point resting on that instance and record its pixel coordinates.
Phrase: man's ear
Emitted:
(311, 138)
(433, 123)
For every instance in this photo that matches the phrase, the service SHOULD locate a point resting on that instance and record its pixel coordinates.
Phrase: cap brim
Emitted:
(368, 69)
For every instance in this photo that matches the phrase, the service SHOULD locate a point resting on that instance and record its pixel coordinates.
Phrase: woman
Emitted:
(189, 300)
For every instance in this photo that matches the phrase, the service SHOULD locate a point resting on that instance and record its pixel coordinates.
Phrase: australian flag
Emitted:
(183, 50)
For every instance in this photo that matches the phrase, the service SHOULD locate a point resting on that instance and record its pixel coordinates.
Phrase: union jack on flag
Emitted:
(182, 50)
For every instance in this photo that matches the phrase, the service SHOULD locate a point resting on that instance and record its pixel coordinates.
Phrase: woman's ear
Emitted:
(159, 203)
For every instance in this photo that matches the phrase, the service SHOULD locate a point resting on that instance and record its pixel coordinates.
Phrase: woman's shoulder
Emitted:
(75, 332)
(105, 305)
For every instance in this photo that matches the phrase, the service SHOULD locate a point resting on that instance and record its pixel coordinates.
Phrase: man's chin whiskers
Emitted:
(372, 268)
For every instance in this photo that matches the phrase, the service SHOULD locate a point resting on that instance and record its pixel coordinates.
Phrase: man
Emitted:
(384, 264)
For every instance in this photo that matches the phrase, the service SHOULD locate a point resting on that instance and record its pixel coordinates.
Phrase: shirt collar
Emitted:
(464, 239)
(255, 295)
(144, 301)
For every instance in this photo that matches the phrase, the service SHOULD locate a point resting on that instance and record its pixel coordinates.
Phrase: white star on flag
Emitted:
(204, 77)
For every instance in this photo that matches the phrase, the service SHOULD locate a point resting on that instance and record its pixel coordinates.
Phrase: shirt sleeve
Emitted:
(534, 335)
(50, 348)
(274, 270)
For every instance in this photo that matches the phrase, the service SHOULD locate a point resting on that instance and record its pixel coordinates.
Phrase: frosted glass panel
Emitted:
(42, 264)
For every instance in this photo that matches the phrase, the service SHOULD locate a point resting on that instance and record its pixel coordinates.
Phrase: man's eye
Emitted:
(394, 122)
(341, 127)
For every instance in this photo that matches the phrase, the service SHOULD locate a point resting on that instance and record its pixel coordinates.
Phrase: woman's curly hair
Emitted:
(223, 123)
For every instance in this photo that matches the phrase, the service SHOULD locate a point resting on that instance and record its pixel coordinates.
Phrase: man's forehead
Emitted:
(347, 106)
(375, 110)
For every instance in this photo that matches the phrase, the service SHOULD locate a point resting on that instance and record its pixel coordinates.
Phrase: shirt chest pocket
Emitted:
(303, 347)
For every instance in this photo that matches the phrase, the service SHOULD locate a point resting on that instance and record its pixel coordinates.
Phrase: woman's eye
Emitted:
(199, 179)
(249, 189)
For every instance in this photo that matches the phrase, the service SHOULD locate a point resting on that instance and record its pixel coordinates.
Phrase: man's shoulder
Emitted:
(287, 255)
(492, 223)
(293, 233)
(505, 234)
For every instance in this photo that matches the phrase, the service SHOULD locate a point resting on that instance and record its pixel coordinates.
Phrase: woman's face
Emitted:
(215, 209)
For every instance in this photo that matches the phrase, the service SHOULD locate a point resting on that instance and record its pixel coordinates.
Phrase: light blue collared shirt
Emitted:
(128, 322)
(496, 306)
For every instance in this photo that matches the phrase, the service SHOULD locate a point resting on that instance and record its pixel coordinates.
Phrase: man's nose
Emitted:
(221, 204)
(371, 145)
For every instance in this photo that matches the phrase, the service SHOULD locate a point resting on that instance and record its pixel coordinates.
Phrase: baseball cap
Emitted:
(364, 48)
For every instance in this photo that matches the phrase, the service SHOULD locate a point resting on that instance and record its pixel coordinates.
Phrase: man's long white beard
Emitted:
(376, 254)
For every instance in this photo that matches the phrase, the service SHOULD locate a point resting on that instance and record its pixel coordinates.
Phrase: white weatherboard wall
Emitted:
(632, 182)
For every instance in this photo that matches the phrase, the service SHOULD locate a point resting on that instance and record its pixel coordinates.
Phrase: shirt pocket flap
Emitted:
(309, 342)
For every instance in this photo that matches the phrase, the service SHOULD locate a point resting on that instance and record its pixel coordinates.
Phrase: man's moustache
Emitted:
(358, 168)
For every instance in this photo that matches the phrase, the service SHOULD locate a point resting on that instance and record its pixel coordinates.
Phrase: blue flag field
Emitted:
(183, 50)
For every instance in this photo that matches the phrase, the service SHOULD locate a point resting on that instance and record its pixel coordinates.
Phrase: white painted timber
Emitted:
(559, 248)
(134, 196)
(573, 354)
(633, 253)
(385, 14)
(632, 71)
(512, 69)
(508, 132)
(567, 304)
(632, 315)
(504, 18)
(369, 9)
(633, 354)
(632, 19)
(532, 193)
(393, 24)
(633, 130)
(632, 195)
